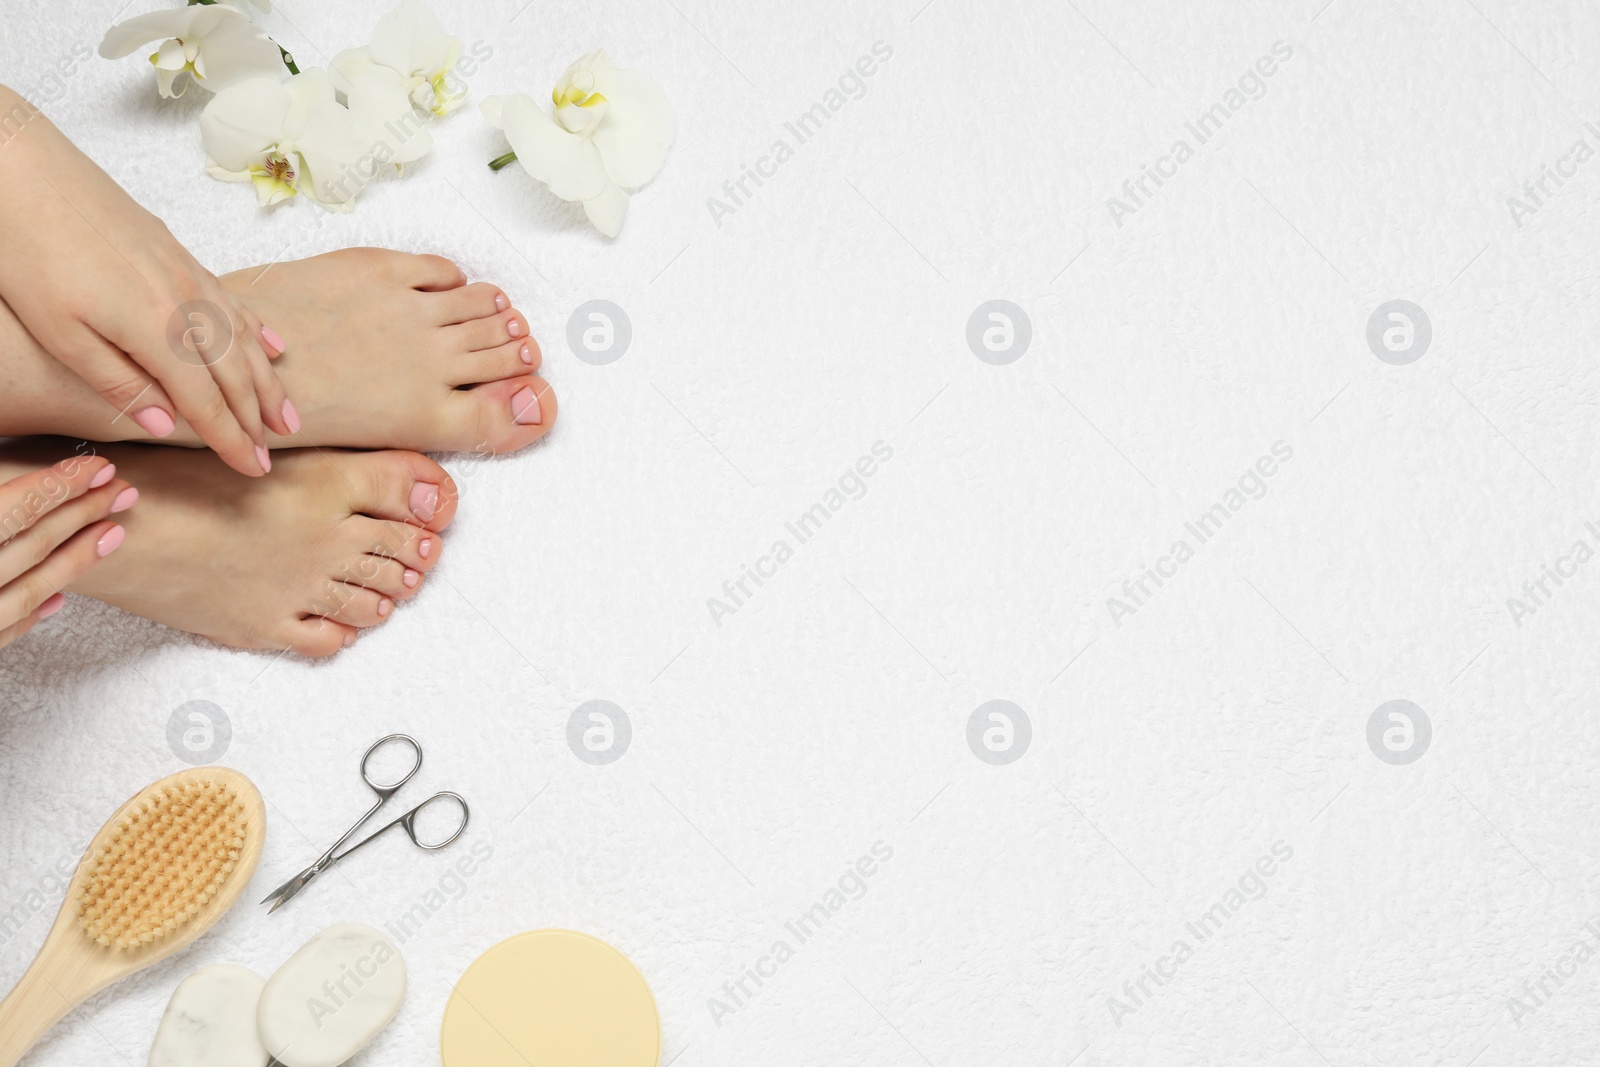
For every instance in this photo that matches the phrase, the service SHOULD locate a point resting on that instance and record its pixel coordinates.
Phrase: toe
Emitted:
(490, 332)
(506, 415)
(517, 357)
(410, 546)
(476, 301)
(402, 486)
(352, 605)
(512, 413)
(317, 636)
(380, 574)
(434, 274)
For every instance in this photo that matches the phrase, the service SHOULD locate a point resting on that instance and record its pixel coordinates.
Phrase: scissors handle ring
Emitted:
(409, 821)
(387, 791)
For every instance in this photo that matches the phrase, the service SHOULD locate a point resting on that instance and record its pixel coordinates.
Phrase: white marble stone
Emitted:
(331, 997)
(211, 1021)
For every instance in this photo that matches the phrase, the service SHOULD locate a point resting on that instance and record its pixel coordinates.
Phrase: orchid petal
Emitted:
(638, 129)
(411, 40)
(169, 56)
(608, 210)
(569, 165)
(380, 107)
(236, 49)
(125, 38)
(244, 122)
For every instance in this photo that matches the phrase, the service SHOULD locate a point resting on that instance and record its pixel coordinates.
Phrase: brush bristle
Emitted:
(164, 862)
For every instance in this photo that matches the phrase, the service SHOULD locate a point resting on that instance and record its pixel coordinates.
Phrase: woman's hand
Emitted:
(52, 529)
(106, 289)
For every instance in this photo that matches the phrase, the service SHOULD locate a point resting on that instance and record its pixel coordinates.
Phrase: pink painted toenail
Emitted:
(273, 341)
(54, 603)
(291, 417)
(527, 356)
(125, 500)
(349, 639)
(264, 458)
(525, 407)
(411, 578)
(384, 607)
(514, 328)
(425, 547)
(110, 541)
(155, 422)
(500, 302)
(105, 474)
(424, 499)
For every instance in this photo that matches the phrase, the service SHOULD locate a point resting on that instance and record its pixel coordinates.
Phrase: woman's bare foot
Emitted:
(53, 529)
(389, 350)
(301, 560)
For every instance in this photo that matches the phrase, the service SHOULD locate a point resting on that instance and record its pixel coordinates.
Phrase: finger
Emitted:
(27, 499)
(121, 382)
(43, 611)
(32, 547)
(229, 356)
(175, 348)
(272, 402)
(197, 395)
(25, 595)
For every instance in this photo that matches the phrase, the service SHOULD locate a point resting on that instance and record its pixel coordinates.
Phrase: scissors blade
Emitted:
(285, 892)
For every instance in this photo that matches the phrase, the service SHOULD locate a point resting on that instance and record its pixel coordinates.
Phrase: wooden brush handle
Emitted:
(37, 1003)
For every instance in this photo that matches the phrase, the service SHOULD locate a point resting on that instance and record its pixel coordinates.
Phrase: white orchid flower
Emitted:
(216, 46)
(609, 136)
(404, 72)
(288, 138)
(245, 5)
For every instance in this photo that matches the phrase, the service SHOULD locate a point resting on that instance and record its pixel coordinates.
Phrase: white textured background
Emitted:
(828, 313)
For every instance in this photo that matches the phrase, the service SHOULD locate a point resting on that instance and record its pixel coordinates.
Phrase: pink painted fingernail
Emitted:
(110, 541)
(411, 578)
(264, 458)
(125, 500)
(155, 422)
(384, 607)
(291, 416)
(514, 328)
(424, 547)
(52, 605)
(273, 341)
(525, 407)
(500, 302)
(527, 356)
(104, 475)
(424, 499)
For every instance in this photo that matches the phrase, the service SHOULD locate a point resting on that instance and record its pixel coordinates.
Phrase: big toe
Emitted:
(503, 416)
(401, 487)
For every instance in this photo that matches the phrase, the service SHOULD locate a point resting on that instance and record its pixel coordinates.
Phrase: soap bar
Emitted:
(331, 997)
(211, 1021)
(551, 998)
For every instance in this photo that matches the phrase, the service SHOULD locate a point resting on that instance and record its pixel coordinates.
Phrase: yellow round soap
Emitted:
(556, 998)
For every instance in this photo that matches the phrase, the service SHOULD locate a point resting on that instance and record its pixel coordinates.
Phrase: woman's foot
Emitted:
(382, 350)
(302, 560)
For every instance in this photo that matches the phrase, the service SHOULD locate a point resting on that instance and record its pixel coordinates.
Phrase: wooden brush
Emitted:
(160, 873)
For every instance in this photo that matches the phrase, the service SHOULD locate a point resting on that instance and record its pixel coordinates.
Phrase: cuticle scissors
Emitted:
(284, 893)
